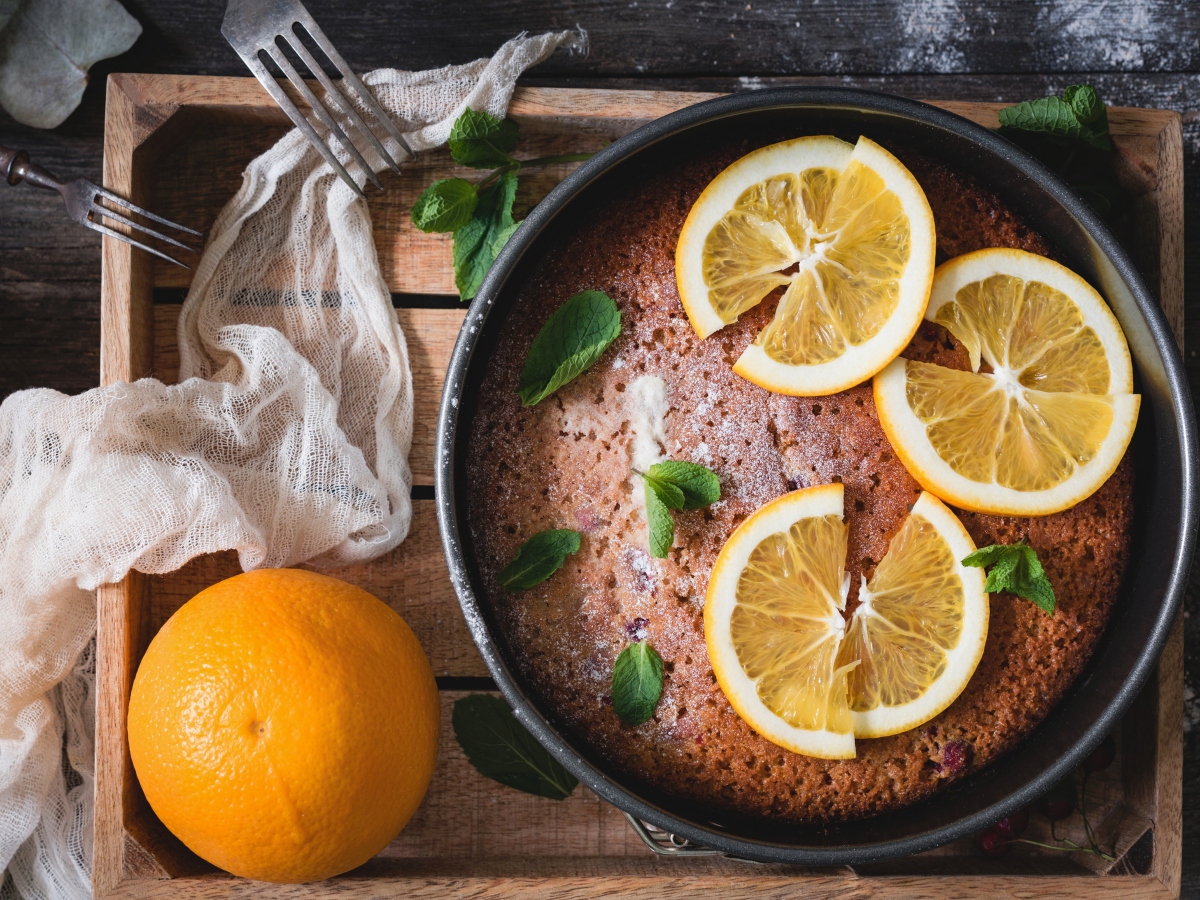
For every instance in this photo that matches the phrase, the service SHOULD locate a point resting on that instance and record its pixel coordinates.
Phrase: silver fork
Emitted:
(80, 198)
(266, 28)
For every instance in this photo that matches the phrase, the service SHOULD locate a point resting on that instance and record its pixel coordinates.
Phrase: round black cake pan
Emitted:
(1165, 448)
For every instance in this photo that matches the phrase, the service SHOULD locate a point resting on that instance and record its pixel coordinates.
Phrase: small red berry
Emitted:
(956, 756)
(1102, 757)
(1059, 803)
(1013, 825)
(993, 843)
(638, 629)
(1057, 809)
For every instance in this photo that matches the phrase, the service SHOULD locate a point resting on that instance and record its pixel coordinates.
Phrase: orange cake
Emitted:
(659, 389)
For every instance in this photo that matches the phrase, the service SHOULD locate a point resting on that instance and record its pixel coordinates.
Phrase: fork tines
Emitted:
(268, 29)
(84, 209)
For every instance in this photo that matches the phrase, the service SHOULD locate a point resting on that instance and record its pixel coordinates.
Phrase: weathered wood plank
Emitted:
(465, 815)
(661, 38)
(649, 879)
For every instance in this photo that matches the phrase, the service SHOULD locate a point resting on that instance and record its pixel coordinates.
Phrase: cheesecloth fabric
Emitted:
(286, 439)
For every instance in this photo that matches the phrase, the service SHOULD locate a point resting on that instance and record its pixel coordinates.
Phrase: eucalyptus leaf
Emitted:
(47, 48)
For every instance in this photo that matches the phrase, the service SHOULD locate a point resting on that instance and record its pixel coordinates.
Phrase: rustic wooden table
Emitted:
(1136, 52)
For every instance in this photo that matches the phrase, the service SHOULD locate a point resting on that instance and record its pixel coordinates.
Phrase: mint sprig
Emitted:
(539, 558)
(1078, 115)
(675, 484)
(500, 748)
(1015, 568)
(479, 215)
(1069, 133)
(573, 338)
(637, 683)
(698, 486)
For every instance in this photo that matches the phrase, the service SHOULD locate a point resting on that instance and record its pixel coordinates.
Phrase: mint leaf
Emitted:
(539, 558)
(675, 484)
(1015, 568)
(500, 748)
(670, 494)
(1040, 592)
(572, 339)
(700, 486)
(985, 556)
(482, 141)
(658, 517)
(1050, 115)
(1085, 103)
(637, 683)
(445, 205)
(1078, 115)
(479, 241)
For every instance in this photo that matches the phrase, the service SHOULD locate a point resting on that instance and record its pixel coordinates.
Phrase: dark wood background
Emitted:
(1136, 52)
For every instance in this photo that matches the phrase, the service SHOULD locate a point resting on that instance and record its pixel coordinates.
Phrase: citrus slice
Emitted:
(845, 228)
(778, 641)
(919, 629)
(773, 622)
(1050, 421)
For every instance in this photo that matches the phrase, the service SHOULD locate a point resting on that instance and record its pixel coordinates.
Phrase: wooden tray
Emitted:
(178, 145)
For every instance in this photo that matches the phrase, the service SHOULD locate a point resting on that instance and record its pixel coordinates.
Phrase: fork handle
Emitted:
(15, 167)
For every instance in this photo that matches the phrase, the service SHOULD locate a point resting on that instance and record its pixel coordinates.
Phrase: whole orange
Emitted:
(284, 725)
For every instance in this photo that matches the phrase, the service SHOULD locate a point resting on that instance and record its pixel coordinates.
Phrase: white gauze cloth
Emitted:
(286, 439)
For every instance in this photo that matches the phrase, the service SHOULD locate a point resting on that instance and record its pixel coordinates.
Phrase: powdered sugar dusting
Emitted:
(648, 410)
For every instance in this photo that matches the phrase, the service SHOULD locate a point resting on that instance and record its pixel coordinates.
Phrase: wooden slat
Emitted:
(1122, 38)
(645, 878)
(465, 815)
(1168, 734)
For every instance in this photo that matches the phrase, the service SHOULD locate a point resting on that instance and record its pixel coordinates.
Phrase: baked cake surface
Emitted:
(566, 463)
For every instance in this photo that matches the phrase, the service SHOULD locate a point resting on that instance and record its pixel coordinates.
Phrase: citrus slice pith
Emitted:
(778, 640)
(1050, 421)
(844, 228)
